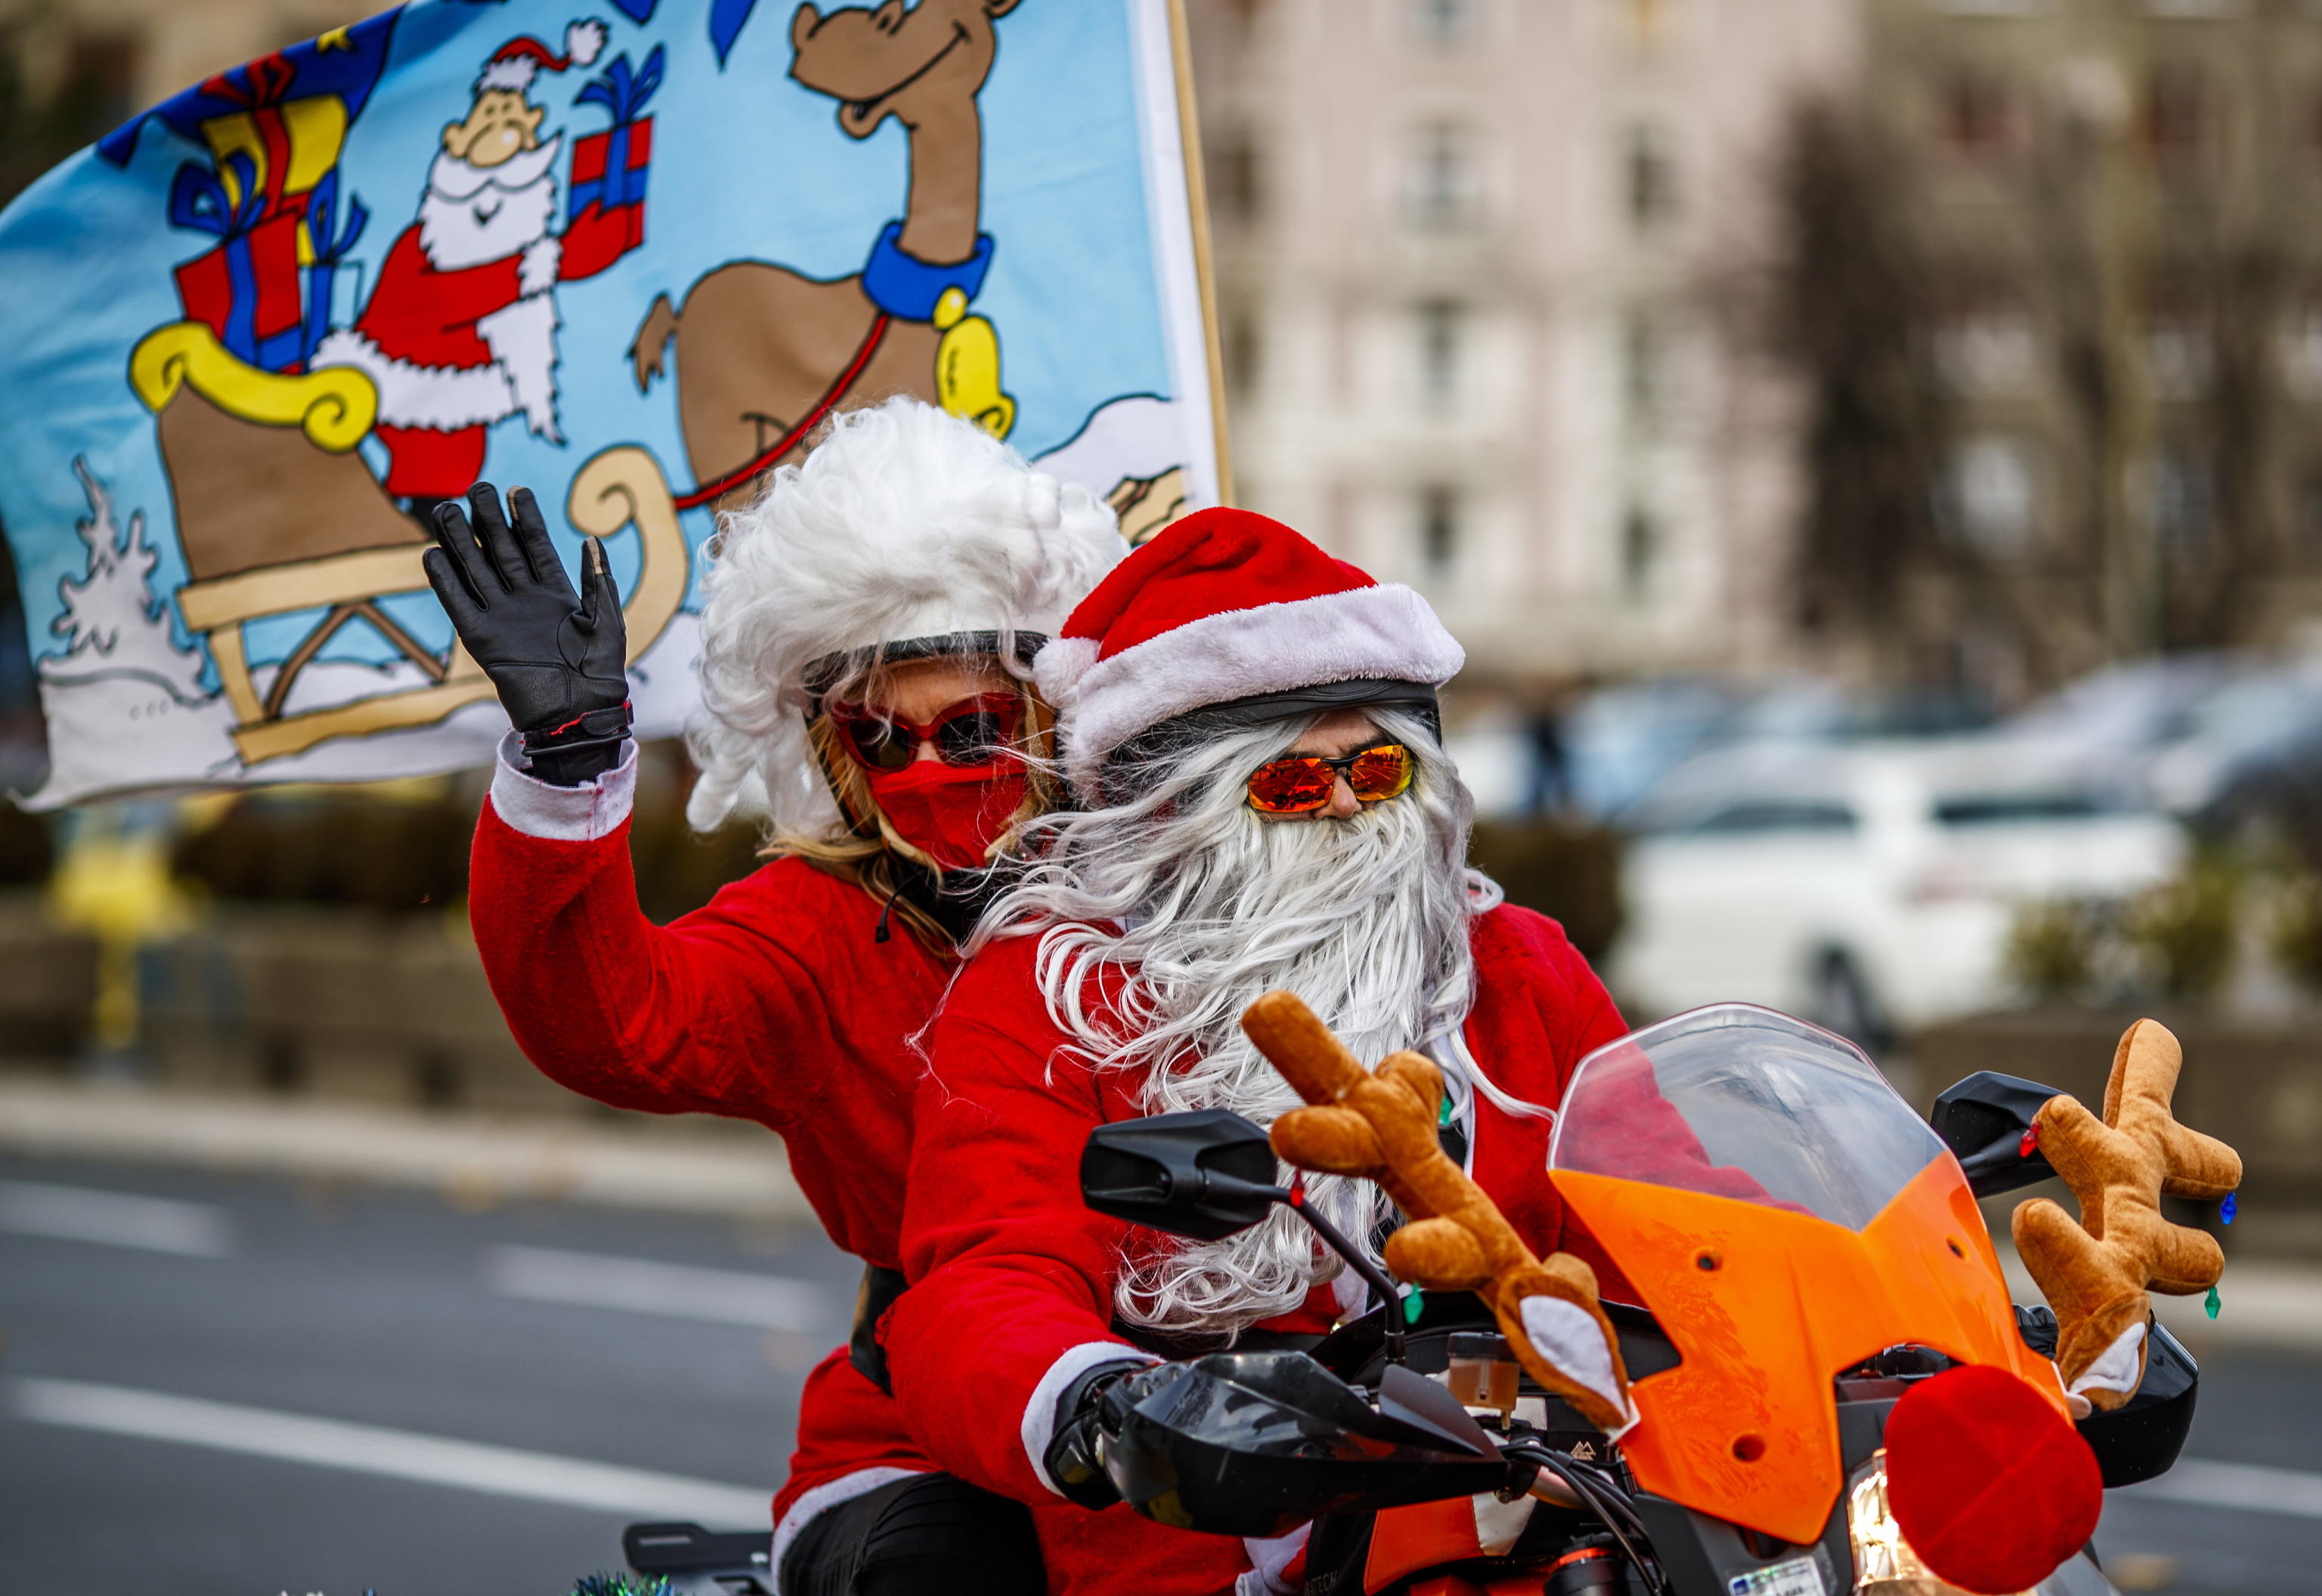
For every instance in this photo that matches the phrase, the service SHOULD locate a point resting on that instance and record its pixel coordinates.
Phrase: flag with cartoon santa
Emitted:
(460, 333)
(256, 334)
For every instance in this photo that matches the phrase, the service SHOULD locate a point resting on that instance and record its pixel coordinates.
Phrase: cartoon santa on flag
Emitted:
(461, 332)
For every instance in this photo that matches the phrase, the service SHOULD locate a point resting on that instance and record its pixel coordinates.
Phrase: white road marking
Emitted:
(676, 1290)
(2250, 1488)
(371, 1449)
(75, 1213)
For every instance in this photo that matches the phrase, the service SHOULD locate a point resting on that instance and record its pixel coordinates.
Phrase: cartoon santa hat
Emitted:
(1225, 610)
(515, 64)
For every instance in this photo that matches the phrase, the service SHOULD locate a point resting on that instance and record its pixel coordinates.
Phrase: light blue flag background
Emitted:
(192, 504)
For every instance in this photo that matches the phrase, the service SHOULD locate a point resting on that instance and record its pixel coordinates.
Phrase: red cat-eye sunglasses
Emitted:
(971, 732)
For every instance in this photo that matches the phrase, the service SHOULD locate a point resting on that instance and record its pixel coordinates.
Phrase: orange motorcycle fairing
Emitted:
(1767, 1306)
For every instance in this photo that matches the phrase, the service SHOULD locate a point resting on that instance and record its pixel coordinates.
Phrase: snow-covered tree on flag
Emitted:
(112, 621)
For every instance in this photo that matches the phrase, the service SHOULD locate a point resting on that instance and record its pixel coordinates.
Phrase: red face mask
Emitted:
(951, 812)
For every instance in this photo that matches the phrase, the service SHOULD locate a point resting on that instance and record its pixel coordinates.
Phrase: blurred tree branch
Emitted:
(1849, 315)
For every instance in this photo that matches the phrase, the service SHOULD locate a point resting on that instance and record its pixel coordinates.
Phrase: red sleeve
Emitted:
(710, 1014)
(1594, 1018)
(1579, 1013)
(1523, 961)
(415, 300)
(1011, 1272)
(593, 241)
(1655, 1142)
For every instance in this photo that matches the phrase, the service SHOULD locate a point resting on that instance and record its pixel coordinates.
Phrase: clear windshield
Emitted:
(1740, 1102)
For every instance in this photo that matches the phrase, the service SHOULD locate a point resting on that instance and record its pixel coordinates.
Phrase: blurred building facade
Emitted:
(1483, 266)
(1493, 278)
(2106, 215)
(98, 61)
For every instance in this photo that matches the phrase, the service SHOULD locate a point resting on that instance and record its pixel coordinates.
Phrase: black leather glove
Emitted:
(558, 659)
(1072, 1458)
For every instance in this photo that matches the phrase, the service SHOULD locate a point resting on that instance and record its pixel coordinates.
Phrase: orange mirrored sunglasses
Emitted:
(1302, 783)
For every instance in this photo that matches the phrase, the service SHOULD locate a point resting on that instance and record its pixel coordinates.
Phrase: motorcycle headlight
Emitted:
(1884, 1563)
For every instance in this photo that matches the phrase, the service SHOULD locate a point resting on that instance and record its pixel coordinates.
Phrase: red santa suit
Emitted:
(776, 1003)
(1013, 1275)
(791, 998)
(452, 351)
(455, 350)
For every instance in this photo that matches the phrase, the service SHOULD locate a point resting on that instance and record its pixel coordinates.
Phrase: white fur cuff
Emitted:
(553, 813)
(444, 399)
(1269, 1563)
(1039, 1426)
(536, 272)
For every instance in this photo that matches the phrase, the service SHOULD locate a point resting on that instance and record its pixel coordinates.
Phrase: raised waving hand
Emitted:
(557, 657)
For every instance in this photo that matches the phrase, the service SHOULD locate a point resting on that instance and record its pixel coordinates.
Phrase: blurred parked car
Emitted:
(2237, 736)
(2272, 800)
(1870, 887)
(2223, 740)
(2118, 722)
(1616, 742)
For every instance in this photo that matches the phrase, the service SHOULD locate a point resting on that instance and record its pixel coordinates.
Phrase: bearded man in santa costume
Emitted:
(461, 332)
(1250, 729)
(866, 630)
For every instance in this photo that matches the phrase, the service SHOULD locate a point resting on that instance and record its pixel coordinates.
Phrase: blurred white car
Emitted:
(1870, 887)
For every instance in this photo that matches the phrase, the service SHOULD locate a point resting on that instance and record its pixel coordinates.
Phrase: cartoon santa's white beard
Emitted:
(474, 214)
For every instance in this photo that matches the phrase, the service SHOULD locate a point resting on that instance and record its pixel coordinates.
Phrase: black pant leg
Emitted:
(931, 1533)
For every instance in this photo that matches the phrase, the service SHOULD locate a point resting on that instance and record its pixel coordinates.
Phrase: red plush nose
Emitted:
(1990, 1484)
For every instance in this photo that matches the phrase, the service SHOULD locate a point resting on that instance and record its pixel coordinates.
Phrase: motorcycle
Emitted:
(1815, 1256)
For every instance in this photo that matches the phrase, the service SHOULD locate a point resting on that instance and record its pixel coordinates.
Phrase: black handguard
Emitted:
(1072, 1459)
(558, 659)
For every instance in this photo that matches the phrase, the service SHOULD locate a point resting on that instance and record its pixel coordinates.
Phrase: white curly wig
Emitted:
(904, 523)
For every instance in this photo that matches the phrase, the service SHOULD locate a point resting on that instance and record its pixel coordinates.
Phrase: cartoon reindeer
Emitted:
(764, 353)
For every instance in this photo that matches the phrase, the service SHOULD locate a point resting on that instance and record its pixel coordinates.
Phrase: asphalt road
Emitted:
(255, 1386)
(388, 1309)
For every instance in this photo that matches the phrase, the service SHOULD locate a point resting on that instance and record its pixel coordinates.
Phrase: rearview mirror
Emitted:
(1204, 1174)
(1983, 1120)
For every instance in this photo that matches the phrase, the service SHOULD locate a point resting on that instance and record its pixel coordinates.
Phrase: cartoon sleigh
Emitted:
(277, 516)
(277, 513)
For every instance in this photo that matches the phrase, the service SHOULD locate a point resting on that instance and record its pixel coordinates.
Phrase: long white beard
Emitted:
(471, 214)
(1366, 918)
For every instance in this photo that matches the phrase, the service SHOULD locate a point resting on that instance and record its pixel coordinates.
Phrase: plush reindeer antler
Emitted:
(2095, 1273)
(1383, 1127)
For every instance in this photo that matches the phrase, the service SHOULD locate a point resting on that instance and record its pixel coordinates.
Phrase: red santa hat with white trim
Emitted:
(515, 64)
(1227, 607)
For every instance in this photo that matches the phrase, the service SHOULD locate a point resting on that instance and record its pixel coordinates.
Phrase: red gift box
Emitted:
(246, 290)
(610, 168)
